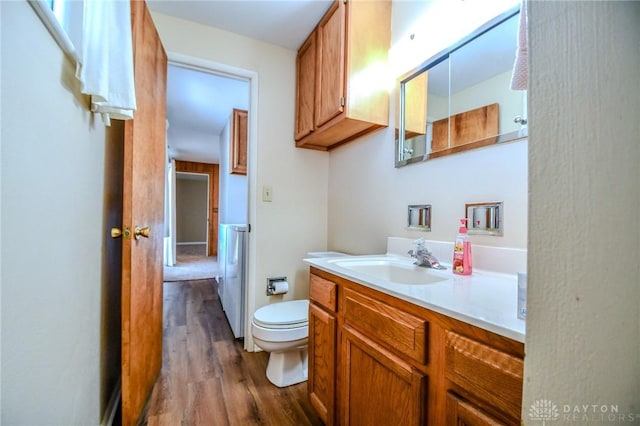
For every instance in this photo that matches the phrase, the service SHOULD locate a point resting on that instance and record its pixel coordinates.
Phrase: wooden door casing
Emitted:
(214, 183)
(143, 205)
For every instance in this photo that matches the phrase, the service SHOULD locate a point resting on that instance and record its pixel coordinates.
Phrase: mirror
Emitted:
(461, 98)
(484, 218)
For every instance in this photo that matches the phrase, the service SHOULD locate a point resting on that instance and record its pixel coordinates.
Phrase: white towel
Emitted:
(106, 70)
(520, 67)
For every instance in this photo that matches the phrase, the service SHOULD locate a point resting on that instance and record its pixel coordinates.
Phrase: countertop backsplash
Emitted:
(502, 260)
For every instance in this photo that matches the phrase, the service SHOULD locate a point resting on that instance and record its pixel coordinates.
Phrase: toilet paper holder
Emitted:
(271, 285)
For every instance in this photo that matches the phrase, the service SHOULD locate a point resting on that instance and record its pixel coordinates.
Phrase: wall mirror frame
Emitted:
(446, 105)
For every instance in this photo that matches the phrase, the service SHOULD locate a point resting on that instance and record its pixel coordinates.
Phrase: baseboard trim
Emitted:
(112, 406)
(193, 243)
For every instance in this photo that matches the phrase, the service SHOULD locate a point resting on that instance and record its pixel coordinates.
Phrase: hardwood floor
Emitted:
(207, 378)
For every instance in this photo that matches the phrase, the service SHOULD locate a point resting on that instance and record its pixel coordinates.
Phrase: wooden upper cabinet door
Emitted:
(239, 142)
(330, 94)
(305, 87)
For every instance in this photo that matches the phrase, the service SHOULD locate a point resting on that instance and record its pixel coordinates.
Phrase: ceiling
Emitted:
(199, 103)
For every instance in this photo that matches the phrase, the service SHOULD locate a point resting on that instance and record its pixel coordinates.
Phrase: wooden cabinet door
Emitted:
(239, 122)
(463, 413)
(377, 387)
(322, 363)
(330, 93)
(305, 87)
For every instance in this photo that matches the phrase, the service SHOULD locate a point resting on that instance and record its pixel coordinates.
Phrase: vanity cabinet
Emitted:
(375, 359)
(341, 91)
(322, 347)
(488, 378)
(378, 385)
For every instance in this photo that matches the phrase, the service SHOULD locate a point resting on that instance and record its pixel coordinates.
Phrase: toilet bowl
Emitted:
(283, 330)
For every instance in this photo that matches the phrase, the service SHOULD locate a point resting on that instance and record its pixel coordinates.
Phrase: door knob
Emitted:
(117, 233)
(142, 232)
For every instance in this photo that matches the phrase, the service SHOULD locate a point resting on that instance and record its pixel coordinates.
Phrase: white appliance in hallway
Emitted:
(232, 241)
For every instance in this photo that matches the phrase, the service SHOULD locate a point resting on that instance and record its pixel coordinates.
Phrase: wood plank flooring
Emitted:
(207, 378)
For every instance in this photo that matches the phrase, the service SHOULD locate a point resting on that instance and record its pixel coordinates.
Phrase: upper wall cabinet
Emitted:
(461, 98)
(238, 151)
(341, 86)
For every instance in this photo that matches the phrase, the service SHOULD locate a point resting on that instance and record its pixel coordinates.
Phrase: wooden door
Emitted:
(377, 387)
(330, 95)
(143, 206)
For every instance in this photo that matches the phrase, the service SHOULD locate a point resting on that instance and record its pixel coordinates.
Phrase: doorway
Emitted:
(192, 214)
(235, 190)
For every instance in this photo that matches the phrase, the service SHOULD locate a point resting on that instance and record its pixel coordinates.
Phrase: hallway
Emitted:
(207, 378)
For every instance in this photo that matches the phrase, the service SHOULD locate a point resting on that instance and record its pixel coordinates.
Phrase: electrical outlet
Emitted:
(267, 194)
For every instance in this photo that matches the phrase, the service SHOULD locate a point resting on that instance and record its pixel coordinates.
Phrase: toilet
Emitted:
(282, 329)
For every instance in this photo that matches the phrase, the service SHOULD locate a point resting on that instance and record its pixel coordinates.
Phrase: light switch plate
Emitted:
(267, 194)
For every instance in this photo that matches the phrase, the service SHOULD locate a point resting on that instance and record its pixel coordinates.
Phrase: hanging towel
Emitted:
(520, 67)
(106, 67)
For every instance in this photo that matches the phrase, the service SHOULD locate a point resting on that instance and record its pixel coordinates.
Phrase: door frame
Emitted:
(208, 219)
(213, 67)
(212, 171)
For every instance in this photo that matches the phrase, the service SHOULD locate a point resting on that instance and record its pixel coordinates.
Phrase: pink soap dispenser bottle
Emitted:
(462, 263)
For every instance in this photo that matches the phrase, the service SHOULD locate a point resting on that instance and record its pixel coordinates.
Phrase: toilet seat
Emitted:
(283, 315)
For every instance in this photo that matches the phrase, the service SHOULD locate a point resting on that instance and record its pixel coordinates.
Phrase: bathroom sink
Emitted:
(394, 270)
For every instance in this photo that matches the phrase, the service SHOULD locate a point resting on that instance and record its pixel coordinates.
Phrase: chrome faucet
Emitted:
(423, 256)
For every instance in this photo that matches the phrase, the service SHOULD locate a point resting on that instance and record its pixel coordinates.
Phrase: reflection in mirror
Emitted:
(419, 217)
(484, 218)
(423, 100)
(461, 98)
(415, 126)
(439, 109)
(482, 104)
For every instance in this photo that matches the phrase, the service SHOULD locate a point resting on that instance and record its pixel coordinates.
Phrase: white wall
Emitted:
(583, 327)
(55, 252)
(295, 222)
(233, 188)
(368, 196)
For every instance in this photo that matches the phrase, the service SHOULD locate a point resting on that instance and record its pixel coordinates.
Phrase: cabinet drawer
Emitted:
(489, 374)
(323, 292)
(460, 412)
(399, 330)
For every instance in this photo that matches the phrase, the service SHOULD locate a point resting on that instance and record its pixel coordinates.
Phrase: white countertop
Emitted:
(484, 299)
